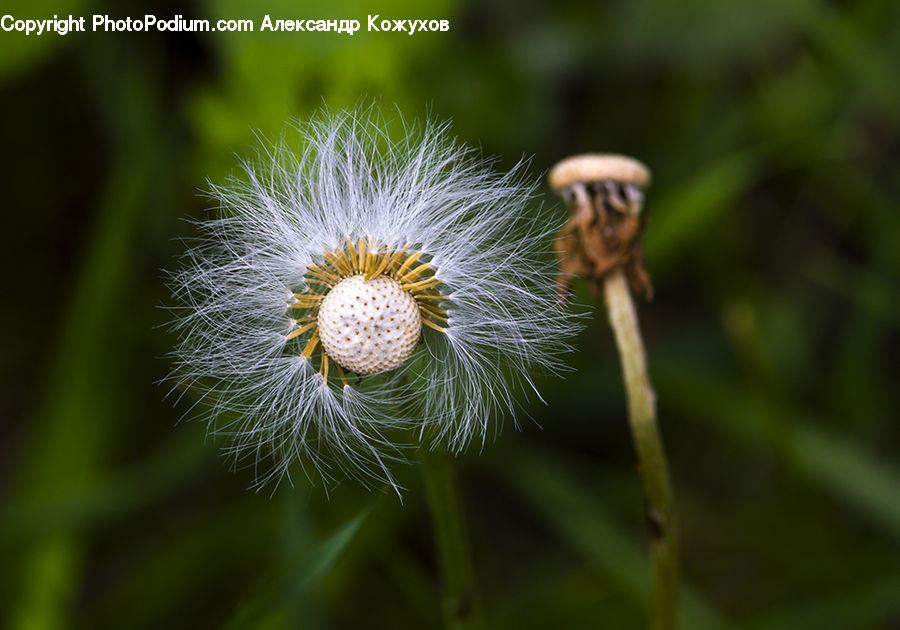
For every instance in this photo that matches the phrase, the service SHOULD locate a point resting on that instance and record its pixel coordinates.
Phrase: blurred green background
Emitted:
(773, 130)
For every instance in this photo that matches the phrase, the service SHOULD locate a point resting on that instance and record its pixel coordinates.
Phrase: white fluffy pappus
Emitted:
(338, 202)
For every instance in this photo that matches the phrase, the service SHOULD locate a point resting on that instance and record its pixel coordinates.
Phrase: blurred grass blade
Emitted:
(864, 287)
(276, 605)
(121, 491)
(581, 521)
(190, 563)
(872, 606)
(327, 553)
(836, 32)
(852, 476)
(684, 214)
(856, 478)
(73, 429)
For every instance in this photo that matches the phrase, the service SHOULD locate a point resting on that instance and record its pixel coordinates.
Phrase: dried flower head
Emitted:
(356, 294)
(605, 194)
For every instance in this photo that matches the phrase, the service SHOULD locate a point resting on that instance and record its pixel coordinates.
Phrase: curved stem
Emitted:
(651, 455)
(459, 602)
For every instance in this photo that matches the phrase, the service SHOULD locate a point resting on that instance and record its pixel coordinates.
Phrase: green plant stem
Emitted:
(459, 601)
(651, 455)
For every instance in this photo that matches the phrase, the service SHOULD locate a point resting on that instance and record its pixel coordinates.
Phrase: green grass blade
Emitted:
(276, 605)
(582, 521)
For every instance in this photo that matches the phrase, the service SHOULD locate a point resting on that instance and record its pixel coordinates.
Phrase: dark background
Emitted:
(773, 131)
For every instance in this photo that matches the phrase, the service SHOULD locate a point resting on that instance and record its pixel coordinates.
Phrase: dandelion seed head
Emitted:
(355, 294)
(369, 326)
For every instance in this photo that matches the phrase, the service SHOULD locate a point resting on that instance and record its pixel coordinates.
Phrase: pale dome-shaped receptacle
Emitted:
(598, 167)
(369, 326)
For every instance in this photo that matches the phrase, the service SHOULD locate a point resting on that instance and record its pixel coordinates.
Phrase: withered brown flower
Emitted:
(605, 197)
